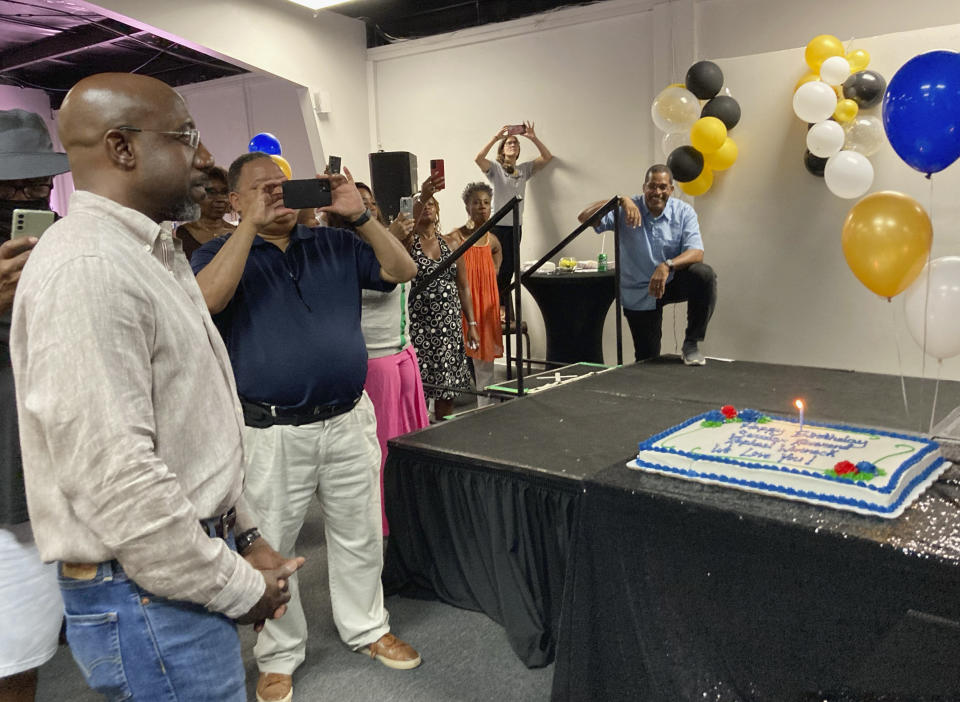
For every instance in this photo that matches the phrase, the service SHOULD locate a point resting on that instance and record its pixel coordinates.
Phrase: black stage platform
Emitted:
(670, 589)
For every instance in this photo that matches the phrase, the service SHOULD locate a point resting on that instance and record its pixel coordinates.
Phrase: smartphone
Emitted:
(306, 193)
(334, 165)
(30, 222)
(436, 167)
(406, 206)
(516, 129)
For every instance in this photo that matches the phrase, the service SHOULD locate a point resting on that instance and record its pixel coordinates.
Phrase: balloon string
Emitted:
(903, 382)
(936, 390)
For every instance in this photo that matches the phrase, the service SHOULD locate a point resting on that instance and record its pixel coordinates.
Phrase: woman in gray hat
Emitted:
(30, 604)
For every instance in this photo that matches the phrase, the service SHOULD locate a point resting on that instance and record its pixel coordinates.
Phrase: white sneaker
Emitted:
(691, 355)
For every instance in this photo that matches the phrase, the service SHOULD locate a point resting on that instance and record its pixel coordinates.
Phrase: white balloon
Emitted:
(941, 338)
(848, 174)
(672, 140)
(865, 134)
(675, 109)
(814, 101)
(824, 139)
(835, 70)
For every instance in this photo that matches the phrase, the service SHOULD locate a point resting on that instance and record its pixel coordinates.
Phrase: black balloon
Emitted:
(686, 163)
(704, 79)
(866, 88)
(724, 108)
(814, 164)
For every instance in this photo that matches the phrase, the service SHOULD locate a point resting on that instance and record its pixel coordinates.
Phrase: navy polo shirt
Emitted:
(293, 326)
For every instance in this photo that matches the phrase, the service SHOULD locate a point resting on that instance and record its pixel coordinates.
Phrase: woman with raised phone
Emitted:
(509, 179)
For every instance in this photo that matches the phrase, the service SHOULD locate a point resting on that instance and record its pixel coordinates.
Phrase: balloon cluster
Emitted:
(265, 142)
(833, 98)
(695, 140)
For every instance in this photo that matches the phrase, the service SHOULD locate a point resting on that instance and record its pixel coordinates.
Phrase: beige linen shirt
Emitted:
(130, 426)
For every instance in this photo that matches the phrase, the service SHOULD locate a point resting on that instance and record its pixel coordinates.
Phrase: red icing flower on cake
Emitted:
(844, 467)
(729, 411)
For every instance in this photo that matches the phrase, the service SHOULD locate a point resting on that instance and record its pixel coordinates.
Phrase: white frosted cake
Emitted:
(868, 471)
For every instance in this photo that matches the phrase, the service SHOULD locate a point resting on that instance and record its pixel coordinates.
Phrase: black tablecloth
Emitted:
(682, 591)
(574, 307)
(486, 540)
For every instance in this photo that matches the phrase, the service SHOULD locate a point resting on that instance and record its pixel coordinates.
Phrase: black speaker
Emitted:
(393, 174)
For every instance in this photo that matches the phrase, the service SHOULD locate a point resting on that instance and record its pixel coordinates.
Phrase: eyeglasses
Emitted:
(190, 137)
(32, 189)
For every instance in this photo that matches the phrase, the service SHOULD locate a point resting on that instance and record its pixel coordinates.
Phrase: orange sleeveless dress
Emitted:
(482, 277)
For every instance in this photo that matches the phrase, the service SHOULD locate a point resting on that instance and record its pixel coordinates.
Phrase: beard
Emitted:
(185, 211)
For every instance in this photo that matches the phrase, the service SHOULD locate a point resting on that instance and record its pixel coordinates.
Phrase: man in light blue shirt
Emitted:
(661, 261)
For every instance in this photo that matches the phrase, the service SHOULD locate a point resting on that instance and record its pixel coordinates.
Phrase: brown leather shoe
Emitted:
(274, 687)
(392, 652)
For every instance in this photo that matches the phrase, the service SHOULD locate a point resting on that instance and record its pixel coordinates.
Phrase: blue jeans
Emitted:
(133, 645)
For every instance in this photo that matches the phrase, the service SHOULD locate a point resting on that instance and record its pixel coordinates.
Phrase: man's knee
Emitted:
(703, 273)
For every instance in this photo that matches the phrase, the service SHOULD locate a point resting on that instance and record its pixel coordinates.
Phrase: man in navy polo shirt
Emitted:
(660, 261)
(287, 299)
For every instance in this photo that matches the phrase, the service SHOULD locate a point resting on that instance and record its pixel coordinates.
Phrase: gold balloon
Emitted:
(820, 49)
(886, 241)
(722, 158)
(700, 184)
(806, 79)
(708, 134)
(846, 110)
(283, 164)
(858, 60)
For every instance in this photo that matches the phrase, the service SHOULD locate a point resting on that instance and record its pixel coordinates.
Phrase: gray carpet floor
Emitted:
(465, 654)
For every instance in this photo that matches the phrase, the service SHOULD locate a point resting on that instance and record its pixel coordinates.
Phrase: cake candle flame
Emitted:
(799, 405)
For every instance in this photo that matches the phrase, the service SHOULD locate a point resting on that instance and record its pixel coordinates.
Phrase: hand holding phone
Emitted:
(516, 129)
(406, 206)
(436, 172)
(306, 193)
(30, 223)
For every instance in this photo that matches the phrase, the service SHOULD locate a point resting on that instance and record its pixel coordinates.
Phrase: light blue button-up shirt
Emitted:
(645, 247)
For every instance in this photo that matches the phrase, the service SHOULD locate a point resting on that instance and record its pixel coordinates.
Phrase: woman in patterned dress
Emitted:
(435, 313)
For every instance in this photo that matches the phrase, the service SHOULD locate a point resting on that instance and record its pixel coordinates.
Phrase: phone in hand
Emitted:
(334, 165)
(436, 169)
(306, 193)
(406, 206)
(30, 222)
(516, 129)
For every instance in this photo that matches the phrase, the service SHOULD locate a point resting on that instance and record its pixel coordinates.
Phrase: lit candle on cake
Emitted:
(799, 405)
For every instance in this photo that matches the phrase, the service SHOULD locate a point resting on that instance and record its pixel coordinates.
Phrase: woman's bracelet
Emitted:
(472, 324)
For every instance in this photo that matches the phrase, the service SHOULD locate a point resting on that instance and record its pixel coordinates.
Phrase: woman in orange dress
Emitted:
(482, 262)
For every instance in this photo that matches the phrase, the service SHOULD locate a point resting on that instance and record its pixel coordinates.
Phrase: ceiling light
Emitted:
(318, 4)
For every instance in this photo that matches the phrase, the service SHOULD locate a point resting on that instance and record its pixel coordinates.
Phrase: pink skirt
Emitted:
(395, 388)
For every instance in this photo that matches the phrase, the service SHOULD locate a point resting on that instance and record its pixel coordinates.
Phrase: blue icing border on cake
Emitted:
(889, 488)
(809, 494)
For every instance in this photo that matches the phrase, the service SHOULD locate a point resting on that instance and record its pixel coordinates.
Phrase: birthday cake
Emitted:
(869, 471)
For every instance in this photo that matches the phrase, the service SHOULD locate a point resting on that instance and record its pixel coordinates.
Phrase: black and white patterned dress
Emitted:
(435, 327)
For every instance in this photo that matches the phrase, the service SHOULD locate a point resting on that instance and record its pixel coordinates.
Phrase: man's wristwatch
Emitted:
(246, 539)
(669, 263)
(362, 219)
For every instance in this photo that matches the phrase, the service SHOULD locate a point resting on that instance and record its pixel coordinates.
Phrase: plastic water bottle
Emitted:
(602, 262)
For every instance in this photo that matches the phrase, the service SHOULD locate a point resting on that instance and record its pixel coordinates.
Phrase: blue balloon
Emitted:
(265, 142)
(921, 111)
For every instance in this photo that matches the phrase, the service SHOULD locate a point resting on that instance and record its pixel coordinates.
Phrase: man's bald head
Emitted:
(125, 137)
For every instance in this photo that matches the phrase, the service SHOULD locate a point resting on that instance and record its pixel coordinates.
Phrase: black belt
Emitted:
(221, 525)
(260, 415)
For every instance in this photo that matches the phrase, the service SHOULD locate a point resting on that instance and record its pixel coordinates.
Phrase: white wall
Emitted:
(230, 110)
(587, 77)
(323, 53)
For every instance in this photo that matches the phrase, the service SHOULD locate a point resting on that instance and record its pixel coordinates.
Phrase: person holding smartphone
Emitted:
(509, 179)
(30, 603)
